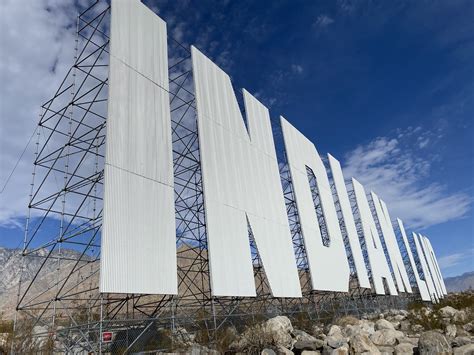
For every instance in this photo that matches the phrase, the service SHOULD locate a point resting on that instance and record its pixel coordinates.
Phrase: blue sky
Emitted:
(386, 87)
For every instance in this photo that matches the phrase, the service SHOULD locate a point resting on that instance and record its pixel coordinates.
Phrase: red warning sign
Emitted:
(106, 337)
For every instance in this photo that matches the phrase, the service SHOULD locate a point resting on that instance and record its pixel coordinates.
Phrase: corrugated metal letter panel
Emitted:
(431, 266)
(328, 265)
(349, 222)
(424, 267)
(401, 276)
(436, 265)
(138, 253)
(241, 180)
(422, 288)
(377, 260)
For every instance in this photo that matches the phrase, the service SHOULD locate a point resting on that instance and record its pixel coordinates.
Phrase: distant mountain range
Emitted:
(11, 265)
(460, 283)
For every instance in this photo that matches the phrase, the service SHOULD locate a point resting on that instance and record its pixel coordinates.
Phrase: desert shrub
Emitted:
(427, 318)
(347, 320)
(162, 341)
(224, 337)
(257, 339)
(416, 305)
(430, 317)
(302, 321)
(458, 301)
(6, 326)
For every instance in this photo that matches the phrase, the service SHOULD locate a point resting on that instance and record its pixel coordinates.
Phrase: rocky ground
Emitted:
(445, 328)
(391, 333)
(423, 329)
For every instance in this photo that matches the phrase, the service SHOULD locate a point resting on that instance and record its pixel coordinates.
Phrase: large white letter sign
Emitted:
(436, 266)
(424, 267)
(422, 288)
(388, 234)
(328, 265)
(377, 260)
(431, 265)
(349, 222)
(241, 182)
(138, 253)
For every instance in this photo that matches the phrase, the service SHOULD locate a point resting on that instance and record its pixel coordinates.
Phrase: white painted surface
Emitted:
(327, 264)
(241, 180)
(431, 266)
(424, 267)
(377, 260)
(422, 288)
(349, 222)
(435, 261)
(398, 267)
(138, 252)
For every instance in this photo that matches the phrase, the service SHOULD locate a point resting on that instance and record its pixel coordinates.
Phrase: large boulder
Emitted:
(360, 343)
(304, 341)
(275, 332)
(461, 341)
(386, 337)
(469, 327)
(452, 314)
(448, 312)
(460, 332)
(335, 338)
(465, 349)
(309, 345)
(404, 348)
(433, 343)
(301, 335)
(367, 326)
(279, 329)
(460, 317)
(386, 350)
(363, 327)
(409, 340)
(383, 324)
(450, 330)
(336, 341)
(396, 325)
(268, 352)
(335, 330)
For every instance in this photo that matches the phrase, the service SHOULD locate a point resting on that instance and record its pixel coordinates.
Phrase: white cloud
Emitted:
(37, 48)
(400, 176)
(451, 260)
(423, 142)
(296, 68)
(323, 21)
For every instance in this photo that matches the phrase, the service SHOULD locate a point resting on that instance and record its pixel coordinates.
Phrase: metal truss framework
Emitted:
(65, 215)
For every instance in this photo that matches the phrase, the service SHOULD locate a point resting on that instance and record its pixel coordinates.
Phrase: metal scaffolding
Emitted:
(64, 308)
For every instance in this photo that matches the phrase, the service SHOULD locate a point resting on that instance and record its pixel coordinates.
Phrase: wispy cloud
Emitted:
(323, 21)
(36, 53)
(400, 175)
(455, 259)
(296, 68)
